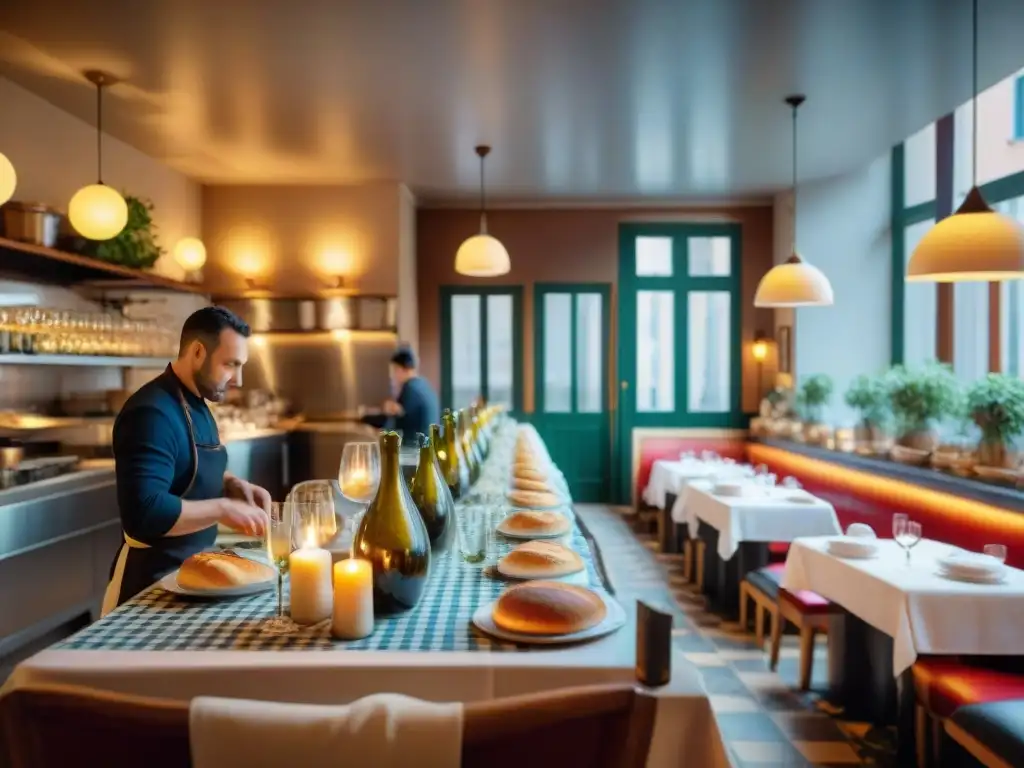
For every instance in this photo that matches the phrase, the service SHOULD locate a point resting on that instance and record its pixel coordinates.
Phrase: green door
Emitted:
(571, 383)
(679, 324)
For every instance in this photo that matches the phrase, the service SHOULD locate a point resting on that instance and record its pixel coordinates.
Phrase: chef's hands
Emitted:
(243, 517)
(391, 408)
(243, 490)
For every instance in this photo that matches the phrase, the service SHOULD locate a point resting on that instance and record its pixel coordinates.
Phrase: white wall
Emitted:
(54, 154)
(408, 309)
(844, 229)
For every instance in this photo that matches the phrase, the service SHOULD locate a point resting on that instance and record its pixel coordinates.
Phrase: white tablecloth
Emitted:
(673, 476)
(923, 612)
(768, 516)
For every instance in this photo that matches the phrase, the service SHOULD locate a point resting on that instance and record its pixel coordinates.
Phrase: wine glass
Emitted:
(319, 495)
(359, 474)
(282, 535)
(899, 522)
(907, 533)
(998, 551)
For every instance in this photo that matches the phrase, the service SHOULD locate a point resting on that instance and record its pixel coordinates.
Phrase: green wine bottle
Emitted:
(430, 493)
(477, 432)
(472, 460)
(453, 462)
(393, 537)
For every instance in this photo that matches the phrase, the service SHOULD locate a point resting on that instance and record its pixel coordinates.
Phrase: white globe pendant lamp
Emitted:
(96, 211)
(795, 282)
(482, 255)
(8, 179)
(975, 243)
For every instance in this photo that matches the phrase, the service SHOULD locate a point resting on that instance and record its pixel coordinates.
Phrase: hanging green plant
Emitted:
(136, 246)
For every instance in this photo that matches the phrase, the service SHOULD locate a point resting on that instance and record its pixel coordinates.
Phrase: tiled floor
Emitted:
(763, 718)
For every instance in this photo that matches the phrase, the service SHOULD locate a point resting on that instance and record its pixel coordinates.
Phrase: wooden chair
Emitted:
(608, 726)
(762, 588)
(810, 614)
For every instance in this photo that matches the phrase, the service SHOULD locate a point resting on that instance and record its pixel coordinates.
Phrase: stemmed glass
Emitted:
(282, 540)
(319, 496)
(906, 533)
(998, 551)
(359, 474)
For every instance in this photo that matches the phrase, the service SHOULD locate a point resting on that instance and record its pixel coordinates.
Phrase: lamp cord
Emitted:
(795, 107)
(974, 96)
(483, 198)
(99, 133)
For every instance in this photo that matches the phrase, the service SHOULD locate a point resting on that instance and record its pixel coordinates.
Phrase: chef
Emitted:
(415, 408)
(173, 487)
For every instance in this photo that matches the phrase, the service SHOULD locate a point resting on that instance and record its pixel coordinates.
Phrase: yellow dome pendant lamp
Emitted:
(974, 244)
(98, 212)
(482, 255)
(794, 283)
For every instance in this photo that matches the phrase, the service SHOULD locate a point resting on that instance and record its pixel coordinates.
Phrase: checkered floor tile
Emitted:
(764, 719)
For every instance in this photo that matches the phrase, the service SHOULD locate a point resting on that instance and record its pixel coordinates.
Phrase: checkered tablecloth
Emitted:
(160, 621)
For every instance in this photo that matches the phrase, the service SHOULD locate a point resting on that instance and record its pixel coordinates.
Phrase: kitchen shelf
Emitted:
(84, 361)
(52, 266)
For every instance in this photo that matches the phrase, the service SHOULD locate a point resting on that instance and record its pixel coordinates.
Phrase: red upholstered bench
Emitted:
(808, 611)
(777, 551)
(944, 684)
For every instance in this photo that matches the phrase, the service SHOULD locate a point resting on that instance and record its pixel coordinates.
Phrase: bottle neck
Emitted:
(390, 466)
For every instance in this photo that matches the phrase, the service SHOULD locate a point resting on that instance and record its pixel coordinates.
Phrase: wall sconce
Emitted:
(759, 350)
(190, 254)
(255, 286)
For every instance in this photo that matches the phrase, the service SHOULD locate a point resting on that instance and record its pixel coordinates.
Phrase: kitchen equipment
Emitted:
(32, 223)
(11, 453)
(36, 470)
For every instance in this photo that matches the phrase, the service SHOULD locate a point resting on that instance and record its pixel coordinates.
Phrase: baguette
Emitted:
(222, 570)
(548, 608)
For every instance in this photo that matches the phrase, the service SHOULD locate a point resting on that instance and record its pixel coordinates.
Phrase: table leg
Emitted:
(750, 555)
(709, 536)
(666, 527)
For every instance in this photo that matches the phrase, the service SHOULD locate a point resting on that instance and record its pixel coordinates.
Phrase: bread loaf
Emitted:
(540, 560)
(548, 608)
(528, 472)
(533, 499)
(530, 484)
(222, 570)
(527, 521)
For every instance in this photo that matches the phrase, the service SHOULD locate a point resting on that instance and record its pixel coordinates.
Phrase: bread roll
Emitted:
(535, 520)
(529, 472)
(548, 608)
(529, 484)
(222, 570)
(540, 560)
(533, 499)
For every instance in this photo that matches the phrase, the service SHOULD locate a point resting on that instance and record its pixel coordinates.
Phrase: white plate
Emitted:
(998, 578)
(614, 619)
(170, 583)
(536, 507)
(579, 578)
(514, 574)
(529, 535)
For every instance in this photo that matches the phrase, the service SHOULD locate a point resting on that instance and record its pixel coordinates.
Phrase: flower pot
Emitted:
(919, 439)
(867, 435)
(996, 453)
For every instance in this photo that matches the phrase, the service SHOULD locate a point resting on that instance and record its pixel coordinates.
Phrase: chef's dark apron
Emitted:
(139, 565)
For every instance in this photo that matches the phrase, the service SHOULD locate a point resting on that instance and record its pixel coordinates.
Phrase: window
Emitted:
(655, 351)
(480, 343)
(709, 256)
(654, 257)
(970, 331)
(709, 329)
(920, 305)
(569, 331)
(590, 351)
(919, 167)
(557, 352)
(999, 112)
(1011, 305)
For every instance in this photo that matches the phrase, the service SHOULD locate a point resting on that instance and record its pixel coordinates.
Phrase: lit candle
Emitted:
(357, 484)
(353, 599)
(310, 569)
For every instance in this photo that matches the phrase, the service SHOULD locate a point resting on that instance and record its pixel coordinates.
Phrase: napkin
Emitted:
(861, 531)
(384, 730)
(971, 563)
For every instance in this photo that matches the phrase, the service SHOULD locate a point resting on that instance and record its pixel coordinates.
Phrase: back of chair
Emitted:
(593, 727)
(57, 726)
(607, 726)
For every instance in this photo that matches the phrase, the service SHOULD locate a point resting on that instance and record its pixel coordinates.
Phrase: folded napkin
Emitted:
(861, 531)
(971, 563)
(384, 730)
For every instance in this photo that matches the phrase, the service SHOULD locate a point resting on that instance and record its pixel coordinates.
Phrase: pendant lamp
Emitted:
(482, 255)
(8, 179)
(794, 283)
(97, 211)
(975, 244)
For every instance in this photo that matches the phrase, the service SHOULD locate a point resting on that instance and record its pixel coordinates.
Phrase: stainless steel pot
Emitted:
(32, 223)
(10, 456)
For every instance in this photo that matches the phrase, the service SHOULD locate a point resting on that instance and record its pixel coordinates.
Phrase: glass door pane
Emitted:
(920, 305)
(500, 349)
(655, 351)
(557, 352)
(709, 329)
(589, 353)
(466, 364)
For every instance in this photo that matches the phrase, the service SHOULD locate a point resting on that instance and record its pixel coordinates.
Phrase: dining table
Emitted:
(164, 645)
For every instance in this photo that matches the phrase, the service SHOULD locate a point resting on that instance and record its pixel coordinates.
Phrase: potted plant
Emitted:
(869, 396)
(919, 399)
(136, 246)
(996, 405)
(815, 392)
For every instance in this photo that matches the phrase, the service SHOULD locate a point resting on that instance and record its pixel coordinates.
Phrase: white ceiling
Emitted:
(582, 99)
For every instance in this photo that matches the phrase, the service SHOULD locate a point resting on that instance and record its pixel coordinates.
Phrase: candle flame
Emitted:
(311, 541)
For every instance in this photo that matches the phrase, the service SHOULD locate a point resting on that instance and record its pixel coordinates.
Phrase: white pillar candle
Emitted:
(353, 599)
(310, 574)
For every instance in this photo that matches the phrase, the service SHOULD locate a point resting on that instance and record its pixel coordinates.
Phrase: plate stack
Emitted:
(852, 547)
(732, 489)
(972, 567)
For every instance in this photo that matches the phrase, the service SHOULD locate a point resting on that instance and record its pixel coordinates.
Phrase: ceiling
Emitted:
(582, 99)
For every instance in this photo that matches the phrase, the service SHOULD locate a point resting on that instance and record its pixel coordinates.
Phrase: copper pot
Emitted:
(32, 223)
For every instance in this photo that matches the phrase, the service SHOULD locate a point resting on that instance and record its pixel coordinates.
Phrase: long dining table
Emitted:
(163, 645)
